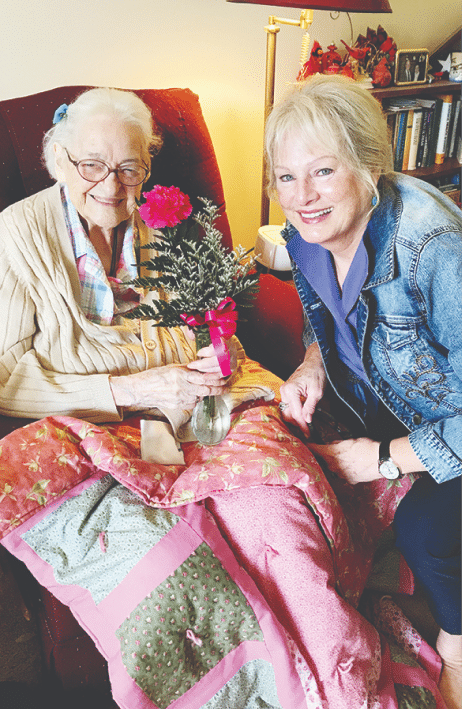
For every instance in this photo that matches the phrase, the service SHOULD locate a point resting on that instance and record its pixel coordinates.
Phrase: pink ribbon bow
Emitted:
(222, 324)
(194, 638)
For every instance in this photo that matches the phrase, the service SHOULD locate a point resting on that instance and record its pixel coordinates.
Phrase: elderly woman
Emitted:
(377, 261)
(75, 245)
(67, 257)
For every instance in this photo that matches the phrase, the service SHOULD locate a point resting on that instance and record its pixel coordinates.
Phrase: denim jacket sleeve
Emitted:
(308, 333)
(438, 282)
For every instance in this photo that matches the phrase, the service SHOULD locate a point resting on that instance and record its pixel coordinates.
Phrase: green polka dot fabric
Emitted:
(185, 627)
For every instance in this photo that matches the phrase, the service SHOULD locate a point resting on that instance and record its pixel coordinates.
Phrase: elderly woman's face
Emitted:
(319, 195)
(107, 203)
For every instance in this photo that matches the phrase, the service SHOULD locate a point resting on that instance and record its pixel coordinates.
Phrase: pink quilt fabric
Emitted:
(182, 624)
(308, 549)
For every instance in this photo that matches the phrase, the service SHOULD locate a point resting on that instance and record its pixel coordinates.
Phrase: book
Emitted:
(458, 150)
(455, 129)
(451, 123)
(401, 104)
(443, 128)
(395, 130)
(407, 139)
(400, 137)
(428, 106)
(434, 133)
(415, 138)
(423, 137)
(391, 122)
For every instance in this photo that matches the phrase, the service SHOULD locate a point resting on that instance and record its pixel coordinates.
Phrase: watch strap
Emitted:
(384, 450)
(384, 454)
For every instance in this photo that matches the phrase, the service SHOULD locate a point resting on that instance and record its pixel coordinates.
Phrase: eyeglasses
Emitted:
(130, 174)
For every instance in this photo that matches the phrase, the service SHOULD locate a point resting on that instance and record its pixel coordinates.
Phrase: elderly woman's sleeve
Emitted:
(27, 389)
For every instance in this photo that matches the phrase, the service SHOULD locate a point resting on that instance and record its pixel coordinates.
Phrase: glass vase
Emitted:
(211, 419)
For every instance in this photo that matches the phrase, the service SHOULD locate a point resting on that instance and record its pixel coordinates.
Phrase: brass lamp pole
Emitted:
(306, 18)
(272, 29)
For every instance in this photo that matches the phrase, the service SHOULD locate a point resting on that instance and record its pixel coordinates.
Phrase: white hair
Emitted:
(337, 112)
(124, 106)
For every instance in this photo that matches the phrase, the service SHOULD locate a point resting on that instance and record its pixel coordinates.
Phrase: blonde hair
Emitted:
(338, 113)
(124, 106)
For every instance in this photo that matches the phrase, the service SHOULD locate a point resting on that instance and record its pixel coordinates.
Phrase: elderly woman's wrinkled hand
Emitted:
(303, 390)
(207, 360)
(172, 386)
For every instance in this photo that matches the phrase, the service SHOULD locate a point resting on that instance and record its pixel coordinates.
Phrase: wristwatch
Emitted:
(387, 468)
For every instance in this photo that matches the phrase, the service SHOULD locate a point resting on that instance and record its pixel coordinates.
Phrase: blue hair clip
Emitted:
(60, 113)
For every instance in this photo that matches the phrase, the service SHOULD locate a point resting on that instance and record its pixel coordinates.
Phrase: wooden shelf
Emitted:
(447, 168)
(437, 87)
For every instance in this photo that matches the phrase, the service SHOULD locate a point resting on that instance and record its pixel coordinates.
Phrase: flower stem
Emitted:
(203, 339)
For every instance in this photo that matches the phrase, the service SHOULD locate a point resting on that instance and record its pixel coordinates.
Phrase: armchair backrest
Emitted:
(187, 159)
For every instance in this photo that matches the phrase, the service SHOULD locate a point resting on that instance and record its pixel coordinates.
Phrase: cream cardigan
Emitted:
(53, 361)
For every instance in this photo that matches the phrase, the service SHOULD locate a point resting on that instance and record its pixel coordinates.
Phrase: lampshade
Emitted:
(339, 5)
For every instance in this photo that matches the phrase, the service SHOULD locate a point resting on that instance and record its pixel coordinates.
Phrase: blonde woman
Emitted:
(377, 261)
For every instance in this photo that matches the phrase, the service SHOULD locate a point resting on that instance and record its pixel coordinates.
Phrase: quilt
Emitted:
(130, 547)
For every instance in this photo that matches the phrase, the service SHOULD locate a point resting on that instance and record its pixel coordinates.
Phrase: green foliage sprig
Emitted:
(195, 272)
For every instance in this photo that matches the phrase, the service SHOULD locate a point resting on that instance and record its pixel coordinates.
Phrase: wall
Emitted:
(214, 47)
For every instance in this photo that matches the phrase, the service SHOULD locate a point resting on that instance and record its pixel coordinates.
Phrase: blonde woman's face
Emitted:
(107, 203)
(319, 195)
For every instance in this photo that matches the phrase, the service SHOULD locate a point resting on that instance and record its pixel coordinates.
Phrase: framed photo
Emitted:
(411, 66)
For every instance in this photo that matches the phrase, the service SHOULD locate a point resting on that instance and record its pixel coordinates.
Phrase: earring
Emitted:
(374, 201)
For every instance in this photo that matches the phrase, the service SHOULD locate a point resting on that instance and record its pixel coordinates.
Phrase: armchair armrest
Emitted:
(272, 332)
(10, 423)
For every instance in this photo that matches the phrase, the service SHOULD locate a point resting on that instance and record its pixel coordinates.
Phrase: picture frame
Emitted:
(411, 66)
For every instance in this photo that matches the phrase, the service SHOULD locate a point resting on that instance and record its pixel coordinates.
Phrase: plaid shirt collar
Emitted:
(104, 300)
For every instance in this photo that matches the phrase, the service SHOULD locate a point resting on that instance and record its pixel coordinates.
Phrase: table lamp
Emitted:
(306, 18)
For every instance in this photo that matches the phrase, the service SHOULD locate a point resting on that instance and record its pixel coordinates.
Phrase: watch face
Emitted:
(389, 470)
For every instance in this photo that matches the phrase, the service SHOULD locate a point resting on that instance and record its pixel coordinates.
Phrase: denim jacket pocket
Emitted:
(396, 333)
(420, 373)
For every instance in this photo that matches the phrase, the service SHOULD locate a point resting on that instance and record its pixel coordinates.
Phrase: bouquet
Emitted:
(203, 282)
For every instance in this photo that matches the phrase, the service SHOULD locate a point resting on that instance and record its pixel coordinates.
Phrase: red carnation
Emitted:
(165, 206)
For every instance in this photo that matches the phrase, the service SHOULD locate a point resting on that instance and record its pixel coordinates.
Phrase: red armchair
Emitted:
(271, 335)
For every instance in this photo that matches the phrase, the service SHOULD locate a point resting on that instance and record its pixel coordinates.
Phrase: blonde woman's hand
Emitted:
(355, 460)
(304, 389)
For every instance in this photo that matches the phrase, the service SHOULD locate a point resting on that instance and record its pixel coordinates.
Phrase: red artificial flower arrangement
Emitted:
(203, 281)
(165, 206)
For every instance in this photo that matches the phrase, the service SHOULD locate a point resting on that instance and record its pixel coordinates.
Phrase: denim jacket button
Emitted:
(417, 418)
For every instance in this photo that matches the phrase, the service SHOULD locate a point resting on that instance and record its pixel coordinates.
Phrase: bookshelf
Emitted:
(451, 165)
(424, 90)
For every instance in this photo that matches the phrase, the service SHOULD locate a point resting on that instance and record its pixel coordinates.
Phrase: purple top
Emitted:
(315, 262)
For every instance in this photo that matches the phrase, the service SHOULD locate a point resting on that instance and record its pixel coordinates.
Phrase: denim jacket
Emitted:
(409, 318)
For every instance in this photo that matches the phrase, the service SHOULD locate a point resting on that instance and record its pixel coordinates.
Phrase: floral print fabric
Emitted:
(51, 458)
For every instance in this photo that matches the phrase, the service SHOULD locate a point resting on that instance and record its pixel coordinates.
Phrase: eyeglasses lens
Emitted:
(95, 171)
